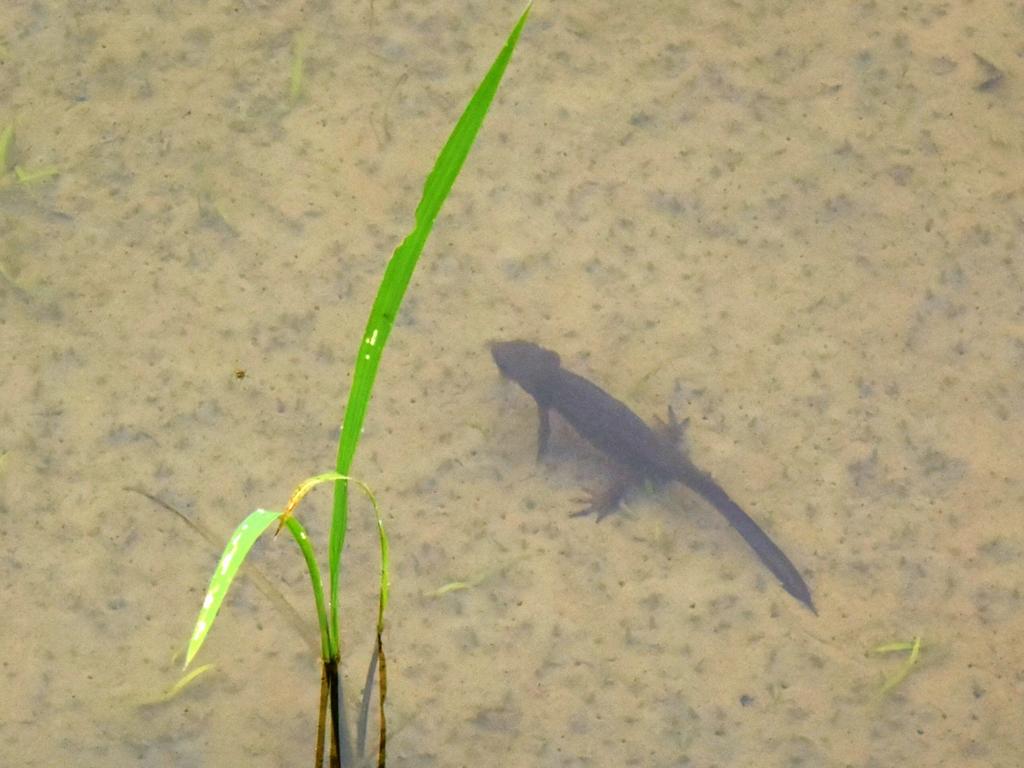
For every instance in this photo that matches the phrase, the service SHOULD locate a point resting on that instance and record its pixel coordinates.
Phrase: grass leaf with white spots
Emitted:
(231, 560)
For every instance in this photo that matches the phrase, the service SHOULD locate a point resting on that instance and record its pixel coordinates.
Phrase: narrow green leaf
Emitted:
(329, 649)
(385, 569)
(298, 68)
(231, 560)
(6, 142)
(904, 671)
(25, 176)
(392, 289)
(302, 539)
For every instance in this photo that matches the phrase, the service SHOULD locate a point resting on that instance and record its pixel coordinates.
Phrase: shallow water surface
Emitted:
(796, 224)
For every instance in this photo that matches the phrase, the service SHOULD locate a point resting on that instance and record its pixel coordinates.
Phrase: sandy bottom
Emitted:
(798, 225)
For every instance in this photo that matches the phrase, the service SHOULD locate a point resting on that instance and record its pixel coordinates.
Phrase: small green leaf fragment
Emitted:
(179, 686)
(901, 674)
(475, 581)
(451, 586)
(6, 142)
(36, 174)
(896, 647)
(298, 68)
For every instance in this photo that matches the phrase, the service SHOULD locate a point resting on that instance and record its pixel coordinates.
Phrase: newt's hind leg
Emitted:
(603, 502)
(673, 429)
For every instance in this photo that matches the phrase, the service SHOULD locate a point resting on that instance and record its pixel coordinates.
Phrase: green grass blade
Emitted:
(298, 69)
(299, 533)
(385, 570)
(252, 528)
(231, 560)
(6, 142)
(392, 289)
(330, 649)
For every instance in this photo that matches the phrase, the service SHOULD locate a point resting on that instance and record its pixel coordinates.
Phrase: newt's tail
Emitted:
(773, 557)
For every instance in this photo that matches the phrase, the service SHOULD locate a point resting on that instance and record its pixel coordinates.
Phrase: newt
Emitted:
(626, 439)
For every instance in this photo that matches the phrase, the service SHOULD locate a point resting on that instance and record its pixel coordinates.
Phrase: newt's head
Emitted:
(525, 363)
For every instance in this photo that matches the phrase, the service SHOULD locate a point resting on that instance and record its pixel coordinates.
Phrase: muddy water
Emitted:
(799, 225)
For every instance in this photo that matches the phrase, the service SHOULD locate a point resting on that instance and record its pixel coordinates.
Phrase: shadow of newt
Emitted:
(623, 436)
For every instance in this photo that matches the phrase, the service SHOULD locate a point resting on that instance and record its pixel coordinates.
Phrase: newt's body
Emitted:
(624, 437)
